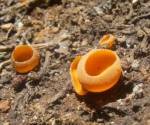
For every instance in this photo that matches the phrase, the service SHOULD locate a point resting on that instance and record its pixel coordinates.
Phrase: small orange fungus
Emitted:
(25, 58)
(107, 41)
(97, 71)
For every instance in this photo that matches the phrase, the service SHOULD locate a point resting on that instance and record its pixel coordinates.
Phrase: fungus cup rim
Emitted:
(91, 53)
(74, 77)
(84, 60)
(26, 61)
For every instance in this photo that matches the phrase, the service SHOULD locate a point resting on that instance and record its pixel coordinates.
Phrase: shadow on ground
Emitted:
(99, 101)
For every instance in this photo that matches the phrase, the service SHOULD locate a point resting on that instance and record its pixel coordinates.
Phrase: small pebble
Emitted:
(19, 25)
(99, 120)
(134, 1)
(138, 88)
(63, 48)
(135, 65)
(84, 42)
(98, 10)
(138, 91)
(120, 101)
(130, 42)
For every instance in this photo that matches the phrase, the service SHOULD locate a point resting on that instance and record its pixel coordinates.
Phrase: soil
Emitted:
(73, 27)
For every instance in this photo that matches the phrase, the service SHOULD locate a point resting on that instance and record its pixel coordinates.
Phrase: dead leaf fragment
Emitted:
(45, 33)
(4, 105)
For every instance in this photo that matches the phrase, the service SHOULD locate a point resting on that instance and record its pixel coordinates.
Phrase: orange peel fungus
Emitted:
(107, 40)
(25, 58)
(97, 71)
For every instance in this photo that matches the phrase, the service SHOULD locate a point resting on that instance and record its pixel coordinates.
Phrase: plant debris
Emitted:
(7, 62)
(62, 30)
(18, 82)
(4, 105)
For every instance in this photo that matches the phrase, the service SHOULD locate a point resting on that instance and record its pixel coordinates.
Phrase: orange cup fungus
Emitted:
(25, 58)
(107, 41)
(97, 71)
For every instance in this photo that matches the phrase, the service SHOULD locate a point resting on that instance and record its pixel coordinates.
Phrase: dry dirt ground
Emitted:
(73, 27)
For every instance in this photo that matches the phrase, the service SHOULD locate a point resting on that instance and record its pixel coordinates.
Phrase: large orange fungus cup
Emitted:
(97, 71)
(25, 58)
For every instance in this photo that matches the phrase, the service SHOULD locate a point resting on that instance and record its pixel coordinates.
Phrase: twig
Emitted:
(128, 17)
(144, 42)
(37, 76)
(38, 46)
(5, 48)
(43, 45)
(54, 42)
(60, 95)
(8, 33)
(4, 63)
(134, 20)
(46, 63)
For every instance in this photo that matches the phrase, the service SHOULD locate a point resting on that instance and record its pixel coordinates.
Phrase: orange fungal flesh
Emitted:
(97, 71)
(74, 77)
(25, 58)
(107, 40)
(23, 53)
(98, 62)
